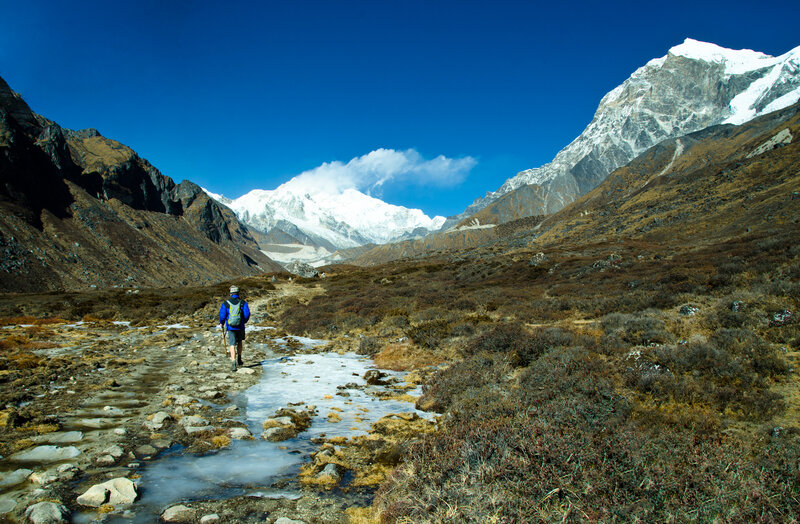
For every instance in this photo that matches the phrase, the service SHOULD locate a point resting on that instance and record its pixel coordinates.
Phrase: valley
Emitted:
(611, 337)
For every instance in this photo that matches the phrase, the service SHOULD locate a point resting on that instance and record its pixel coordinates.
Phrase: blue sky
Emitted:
(243, 95)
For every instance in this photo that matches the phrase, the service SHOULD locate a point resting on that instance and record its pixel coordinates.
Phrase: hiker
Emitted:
(233, 315)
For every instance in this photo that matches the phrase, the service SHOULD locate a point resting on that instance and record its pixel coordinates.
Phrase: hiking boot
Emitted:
(233, 365)
(239, 361)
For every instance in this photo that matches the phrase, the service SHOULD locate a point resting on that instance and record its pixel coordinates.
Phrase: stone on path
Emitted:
(61, 437)
(209, 519)
(286, 520)
(43, 477)
(115, 491)
(46, 454)
(7, 505)
(13, 478)
(179, 513)
(114, 450)
(46, 513)
(245, 371)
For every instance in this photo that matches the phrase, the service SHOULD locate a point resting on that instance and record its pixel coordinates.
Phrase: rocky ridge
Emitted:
(107, 216)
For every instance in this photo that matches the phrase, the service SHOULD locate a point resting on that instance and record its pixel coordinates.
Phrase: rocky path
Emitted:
(150, 400)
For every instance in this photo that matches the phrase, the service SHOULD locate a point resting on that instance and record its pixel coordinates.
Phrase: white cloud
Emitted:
(370, 172)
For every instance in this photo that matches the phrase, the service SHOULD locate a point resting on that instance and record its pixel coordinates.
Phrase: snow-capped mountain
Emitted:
(330, 219)
(696, 85)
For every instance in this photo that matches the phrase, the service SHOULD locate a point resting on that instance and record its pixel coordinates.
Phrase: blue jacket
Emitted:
(223, 314)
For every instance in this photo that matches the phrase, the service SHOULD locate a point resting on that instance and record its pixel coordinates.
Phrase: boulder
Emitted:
(688, 311)
(374, 377)
(46, 513)
(115, 491)
(301, 269)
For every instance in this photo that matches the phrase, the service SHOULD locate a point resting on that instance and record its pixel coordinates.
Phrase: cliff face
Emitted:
(79, 209)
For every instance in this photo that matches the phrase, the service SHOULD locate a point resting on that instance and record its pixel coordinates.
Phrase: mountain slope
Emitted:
(718, 184)
(79, 209)
(696, 85)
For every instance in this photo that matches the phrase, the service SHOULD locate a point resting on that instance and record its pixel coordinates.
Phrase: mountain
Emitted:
(81, 210)
(294, 215)
(725, 183)
(696, 85)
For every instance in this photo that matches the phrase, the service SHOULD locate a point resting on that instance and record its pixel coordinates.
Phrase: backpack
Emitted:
(235, 313)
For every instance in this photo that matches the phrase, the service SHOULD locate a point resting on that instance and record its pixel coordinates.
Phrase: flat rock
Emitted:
(47, 513)
(14, 477)
(114, 450)
(115, 491)
(245, 371)
(95, 423)
(61, 437)
(209, 519)
(46, 454)
(193, 420)
(145, 451)
(197, 429)
(286, 520)
(7, 505)
(179, 513)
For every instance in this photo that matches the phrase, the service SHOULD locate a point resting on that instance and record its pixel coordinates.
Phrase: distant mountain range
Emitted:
(695, 86)
(290, 216)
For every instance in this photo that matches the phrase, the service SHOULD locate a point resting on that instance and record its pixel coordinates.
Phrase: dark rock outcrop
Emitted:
(79, 209)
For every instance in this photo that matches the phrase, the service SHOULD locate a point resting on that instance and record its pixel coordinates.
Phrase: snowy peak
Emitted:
(696, 85)
(735, 61)
(341, 219)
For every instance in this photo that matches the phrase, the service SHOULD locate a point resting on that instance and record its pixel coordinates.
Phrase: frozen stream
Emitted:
(253, 467)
